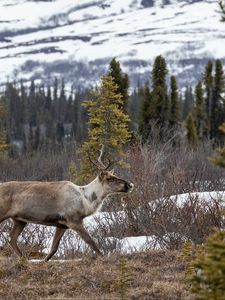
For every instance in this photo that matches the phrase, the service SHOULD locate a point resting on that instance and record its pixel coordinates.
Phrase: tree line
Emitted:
(42, 116)
(34, 115)
(201, 111)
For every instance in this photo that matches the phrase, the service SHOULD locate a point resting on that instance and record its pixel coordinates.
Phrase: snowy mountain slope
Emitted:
(77, 39)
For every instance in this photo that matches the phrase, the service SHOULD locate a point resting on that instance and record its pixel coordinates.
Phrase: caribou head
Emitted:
(110, 182)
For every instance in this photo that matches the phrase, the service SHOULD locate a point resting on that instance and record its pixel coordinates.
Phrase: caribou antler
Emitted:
(93, 162)
(100, 165)
(100, 157)
(110, 163)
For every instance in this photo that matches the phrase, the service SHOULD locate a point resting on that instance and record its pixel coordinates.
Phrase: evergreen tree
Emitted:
(209, 283)
(188, 102)
(48, 100)
(69, 109)
(199, 112)
(59, 133)
(159, 90)
(40, 99)
(107, 125)
(155, 105)
(61, 103)
(80, 116)
(122, 81)
(24, 106)
(32, 105)
(146, 112)
(49, 122)
(219, 158)
(175, 111)
(134, 107)
(14, 109)
(55, 99)
(191, 135)
(36, 140)
(3, 144)
(218, 110)
(208, 82)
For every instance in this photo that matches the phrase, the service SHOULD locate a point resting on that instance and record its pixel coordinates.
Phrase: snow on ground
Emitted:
(138, 243)
(203, 197)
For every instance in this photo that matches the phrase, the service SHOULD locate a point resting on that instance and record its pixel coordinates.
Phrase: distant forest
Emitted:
(39, 116)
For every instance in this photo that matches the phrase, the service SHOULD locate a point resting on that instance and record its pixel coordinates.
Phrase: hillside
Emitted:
(77, 41)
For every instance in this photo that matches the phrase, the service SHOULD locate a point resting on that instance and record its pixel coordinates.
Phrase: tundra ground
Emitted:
(147, 275)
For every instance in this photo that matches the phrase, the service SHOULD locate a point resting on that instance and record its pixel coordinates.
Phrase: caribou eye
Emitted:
(110, 179)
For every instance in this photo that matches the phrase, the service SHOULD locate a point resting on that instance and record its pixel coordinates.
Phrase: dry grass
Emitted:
(152, 275)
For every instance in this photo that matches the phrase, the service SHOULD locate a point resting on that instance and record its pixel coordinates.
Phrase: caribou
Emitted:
(62, 204)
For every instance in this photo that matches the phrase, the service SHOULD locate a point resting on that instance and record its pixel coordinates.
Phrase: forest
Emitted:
(35, 116)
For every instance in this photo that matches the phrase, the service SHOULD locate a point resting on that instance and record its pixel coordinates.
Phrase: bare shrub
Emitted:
(43, 164)
(160, 170)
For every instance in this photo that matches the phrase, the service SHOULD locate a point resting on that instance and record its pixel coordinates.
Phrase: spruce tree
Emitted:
(146, 112)
(40, 98)
(32, 104)
(199, 112)
(14, 109)
(3, 145)
(219, 158)
(209, 282)
(24, 106)
(218, 110)
(69, 109)
(208, 83)
(48, 100)
(134, 107)
(175, 111)
(80, 116)
(107, 125)
(54, 110)
(191, 134)
(159, 90)
(188, 102)
(49, 123)
(61, 103)
(122, 81)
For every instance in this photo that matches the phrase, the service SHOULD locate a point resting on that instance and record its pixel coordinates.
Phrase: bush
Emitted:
(209, 281)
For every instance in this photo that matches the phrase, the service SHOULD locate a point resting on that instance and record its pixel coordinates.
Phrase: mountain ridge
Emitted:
(77, 41)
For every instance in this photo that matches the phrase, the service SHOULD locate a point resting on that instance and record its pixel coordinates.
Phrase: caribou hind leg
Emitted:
(16, 231)
(55, 244)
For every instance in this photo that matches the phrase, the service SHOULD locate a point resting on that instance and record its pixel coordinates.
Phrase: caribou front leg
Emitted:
(79, 228)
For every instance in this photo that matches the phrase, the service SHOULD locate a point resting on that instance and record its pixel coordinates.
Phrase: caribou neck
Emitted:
(94, 191)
